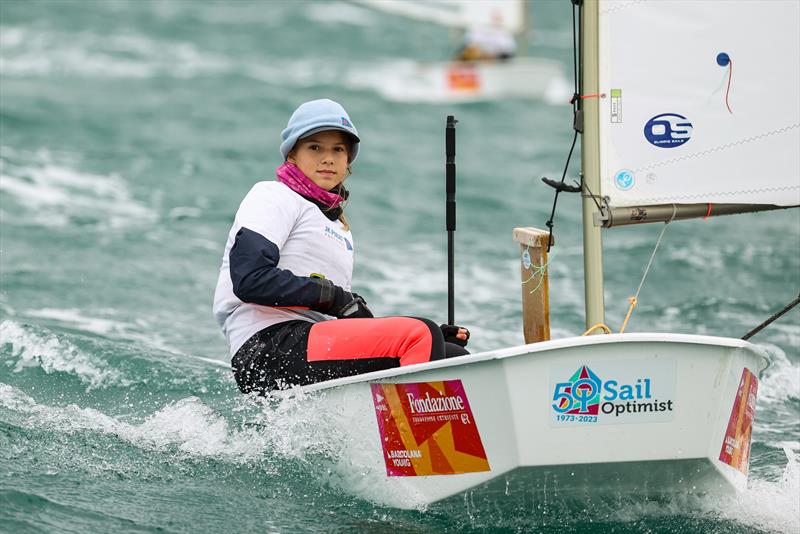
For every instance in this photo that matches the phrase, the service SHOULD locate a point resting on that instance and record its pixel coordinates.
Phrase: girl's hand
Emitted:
(455, 334)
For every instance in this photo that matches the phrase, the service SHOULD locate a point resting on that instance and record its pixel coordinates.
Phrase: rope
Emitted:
(576, 110)
(635, 299)
(537, 270)
(728, 90)
(763, 325)
(606, 329)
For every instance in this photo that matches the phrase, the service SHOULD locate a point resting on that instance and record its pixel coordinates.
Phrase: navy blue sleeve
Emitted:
(257, 279)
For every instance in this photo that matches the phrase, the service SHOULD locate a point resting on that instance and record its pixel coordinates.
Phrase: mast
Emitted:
(590, 164)
(525, 16)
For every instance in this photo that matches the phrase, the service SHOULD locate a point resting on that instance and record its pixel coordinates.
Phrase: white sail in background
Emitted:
(700, 102)
(507, 14)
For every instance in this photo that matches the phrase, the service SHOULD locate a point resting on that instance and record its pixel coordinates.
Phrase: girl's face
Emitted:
(322, 157)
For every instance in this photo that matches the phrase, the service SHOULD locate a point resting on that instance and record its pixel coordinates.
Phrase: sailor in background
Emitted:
(284, 298)
(488, 43)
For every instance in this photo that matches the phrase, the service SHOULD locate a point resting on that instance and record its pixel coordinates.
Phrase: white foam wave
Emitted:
(76, 318)
(338, 13)
(188, 425)
(28, 51)
(195, 429)
(781, 381)
(54, 193)
(140, 331)
(322, 431)
(768, 505)
(51, 354)
(297, 72)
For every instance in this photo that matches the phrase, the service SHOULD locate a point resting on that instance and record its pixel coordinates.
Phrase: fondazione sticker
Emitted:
(736, 445)
(427, 428)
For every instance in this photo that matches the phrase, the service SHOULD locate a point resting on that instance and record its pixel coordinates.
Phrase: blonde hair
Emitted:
(342, 218)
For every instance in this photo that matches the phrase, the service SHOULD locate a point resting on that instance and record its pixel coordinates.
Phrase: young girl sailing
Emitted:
(283, 298)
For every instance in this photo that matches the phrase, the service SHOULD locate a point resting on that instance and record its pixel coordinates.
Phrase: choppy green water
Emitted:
(130, 131)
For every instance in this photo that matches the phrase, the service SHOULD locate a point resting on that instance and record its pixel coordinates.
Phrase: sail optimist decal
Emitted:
(427, 428)
(609, 393)
(736, 445)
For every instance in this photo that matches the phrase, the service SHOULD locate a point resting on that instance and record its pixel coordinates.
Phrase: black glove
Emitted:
(336, 301)
(449, 332)
(354, 307)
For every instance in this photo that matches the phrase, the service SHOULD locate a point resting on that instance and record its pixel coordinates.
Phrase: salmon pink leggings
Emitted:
(301, 353)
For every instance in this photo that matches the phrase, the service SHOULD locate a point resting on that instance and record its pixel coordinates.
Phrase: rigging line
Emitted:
(550, 221)
(653, 255)
(635, 299)
(766, 323)
(575, 108)
(728, 90)
(592, 195)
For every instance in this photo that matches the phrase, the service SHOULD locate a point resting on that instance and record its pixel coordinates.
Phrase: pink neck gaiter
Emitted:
(289, 174)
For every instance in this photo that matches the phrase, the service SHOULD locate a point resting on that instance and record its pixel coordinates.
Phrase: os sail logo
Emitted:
(668, 130)
(580, 395)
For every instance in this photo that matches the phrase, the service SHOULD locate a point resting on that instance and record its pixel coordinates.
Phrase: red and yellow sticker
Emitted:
(427, 428)
(736, 445)
(463, 78)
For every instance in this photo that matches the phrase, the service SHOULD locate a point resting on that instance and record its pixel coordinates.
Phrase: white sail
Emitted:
(700, 102)
(507, 14)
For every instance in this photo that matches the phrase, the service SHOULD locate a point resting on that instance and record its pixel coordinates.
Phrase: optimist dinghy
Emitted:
(637, 414)
(643, 414)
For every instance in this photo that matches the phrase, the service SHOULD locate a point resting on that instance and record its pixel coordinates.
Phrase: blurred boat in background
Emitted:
(472, 75)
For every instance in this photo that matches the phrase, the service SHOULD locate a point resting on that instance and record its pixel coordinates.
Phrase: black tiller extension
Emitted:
(450, 213)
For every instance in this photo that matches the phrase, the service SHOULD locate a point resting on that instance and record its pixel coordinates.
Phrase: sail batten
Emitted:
(694, 107)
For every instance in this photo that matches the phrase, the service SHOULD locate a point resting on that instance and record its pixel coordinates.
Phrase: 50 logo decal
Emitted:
(668, 130)
(626, 393)
(580, 395)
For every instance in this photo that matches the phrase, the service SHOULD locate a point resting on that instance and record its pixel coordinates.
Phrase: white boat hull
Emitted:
(686, 386)
(523, 78)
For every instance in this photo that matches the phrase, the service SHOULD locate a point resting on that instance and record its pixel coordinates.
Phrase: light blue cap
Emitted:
(318, 116)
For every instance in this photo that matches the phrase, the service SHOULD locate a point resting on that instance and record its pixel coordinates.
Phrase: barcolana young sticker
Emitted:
(427, 428)
(613, 393)
(736, 445)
